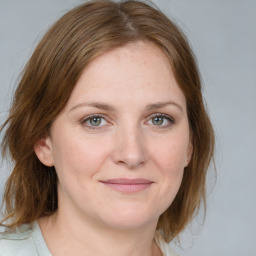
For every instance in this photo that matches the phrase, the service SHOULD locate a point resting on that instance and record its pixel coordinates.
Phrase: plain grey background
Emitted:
(223, 36)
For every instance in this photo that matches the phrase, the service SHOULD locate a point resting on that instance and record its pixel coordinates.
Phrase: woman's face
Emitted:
(121, 144)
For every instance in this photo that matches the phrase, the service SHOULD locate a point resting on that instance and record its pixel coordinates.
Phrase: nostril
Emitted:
(130, 154)
(131, 160)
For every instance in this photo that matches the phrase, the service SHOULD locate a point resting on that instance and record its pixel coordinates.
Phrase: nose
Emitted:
(129, 148)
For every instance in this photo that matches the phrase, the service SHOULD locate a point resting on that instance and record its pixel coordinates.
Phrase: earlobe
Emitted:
(43, 151)
(189, 154)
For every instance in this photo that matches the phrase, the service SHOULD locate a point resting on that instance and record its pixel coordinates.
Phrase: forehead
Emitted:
(134, 72)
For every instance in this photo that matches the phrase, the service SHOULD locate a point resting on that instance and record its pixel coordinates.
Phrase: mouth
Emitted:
(128, 185)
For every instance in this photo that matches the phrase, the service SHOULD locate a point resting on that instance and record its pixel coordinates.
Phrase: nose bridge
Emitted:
(129, 146)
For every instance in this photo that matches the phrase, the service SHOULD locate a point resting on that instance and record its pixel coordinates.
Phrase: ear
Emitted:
(43, 150)
(189, 153)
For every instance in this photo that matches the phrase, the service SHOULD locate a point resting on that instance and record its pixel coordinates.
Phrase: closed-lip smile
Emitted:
(127, 185)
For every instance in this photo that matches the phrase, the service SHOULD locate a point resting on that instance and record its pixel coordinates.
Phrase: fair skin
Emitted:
(119, 148)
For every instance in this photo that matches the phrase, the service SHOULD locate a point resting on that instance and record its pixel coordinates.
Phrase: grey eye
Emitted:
(158, 120)
(95, 121)
(161, 120)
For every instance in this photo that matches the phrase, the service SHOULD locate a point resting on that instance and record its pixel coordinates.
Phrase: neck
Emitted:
(73, 236)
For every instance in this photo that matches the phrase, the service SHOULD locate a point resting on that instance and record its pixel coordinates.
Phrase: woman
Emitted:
(109, 137)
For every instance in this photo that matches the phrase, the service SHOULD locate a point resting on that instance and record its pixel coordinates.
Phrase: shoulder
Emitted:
(164, 247)
(17, 242)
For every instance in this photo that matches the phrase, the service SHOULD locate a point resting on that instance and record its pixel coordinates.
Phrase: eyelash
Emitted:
(88, 118)
(84, 121)
(170, 120)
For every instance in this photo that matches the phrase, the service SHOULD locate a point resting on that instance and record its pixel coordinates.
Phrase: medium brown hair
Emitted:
(48, 79)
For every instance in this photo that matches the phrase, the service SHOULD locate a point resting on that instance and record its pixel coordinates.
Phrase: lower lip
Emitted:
(128, 188)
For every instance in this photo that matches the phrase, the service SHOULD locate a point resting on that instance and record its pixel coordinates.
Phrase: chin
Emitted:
(130, 219)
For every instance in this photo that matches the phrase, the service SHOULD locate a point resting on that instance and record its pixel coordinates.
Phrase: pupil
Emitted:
(95, 121)
(158, 120)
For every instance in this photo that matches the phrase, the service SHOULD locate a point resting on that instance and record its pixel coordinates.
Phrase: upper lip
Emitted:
(127, 181)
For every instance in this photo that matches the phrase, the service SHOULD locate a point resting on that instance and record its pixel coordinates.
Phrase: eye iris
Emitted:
(95, 121)
(158, 120)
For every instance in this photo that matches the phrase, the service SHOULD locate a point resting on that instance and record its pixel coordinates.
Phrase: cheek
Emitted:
(171, 155)
(77, 163)
(83, 157)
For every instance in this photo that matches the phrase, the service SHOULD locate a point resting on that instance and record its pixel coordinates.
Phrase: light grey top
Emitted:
(27, 240)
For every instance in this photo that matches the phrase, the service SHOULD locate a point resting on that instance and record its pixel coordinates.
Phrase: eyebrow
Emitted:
(107, 107)
(163, 104)
(95, 105)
